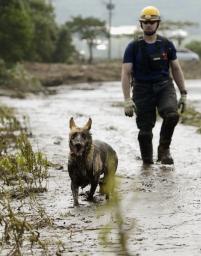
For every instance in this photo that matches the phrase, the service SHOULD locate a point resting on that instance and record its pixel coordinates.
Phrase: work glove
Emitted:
(182, 103)
(129, 107)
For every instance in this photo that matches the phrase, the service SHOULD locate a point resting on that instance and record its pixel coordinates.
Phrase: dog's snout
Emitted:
(78, 145)
(78, 148)
(79, 142)
(78, 139)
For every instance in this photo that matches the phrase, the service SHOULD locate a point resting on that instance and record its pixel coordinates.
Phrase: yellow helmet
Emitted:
(150, 13)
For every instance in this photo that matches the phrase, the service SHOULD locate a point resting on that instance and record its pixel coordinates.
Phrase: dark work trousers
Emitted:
(160, 96)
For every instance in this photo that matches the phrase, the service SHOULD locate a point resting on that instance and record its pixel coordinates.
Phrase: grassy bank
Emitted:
(56, 74)
(192, 117)
(16, 81)
(23, 173)
(35, 78)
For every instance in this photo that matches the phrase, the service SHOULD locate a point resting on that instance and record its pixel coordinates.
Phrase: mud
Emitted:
(161, 204)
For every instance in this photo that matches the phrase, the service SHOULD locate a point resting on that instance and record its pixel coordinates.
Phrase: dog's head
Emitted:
(80, 139)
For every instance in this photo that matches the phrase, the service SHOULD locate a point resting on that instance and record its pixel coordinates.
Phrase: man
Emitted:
(146, 63)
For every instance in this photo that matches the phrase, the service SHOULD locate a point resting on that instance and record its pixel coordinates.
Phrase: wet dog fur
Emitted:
(88, 160)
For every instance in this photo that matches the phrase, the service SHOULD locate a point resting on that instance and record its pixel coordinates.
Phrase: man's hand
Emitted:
(182, 103)
(129, 107)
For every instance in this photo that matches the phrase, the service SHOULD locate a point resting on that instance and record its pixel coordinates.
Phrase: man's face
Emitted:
(149, 26)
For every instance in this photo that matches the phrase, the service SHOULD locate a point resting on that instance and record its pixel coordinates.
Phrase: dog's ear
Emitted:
(72, 123)
(88, 124)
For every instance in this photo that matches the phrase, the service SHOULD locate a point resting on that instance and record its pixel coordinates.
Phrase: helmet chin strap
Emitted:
(150, 33)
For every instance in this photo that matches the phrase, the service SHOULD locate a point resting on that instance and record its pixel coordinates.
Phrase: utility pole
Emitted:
(110, 6)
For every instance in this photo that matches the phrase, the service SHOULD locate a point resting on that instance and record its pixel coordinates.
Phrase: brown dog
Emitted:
(88, 160)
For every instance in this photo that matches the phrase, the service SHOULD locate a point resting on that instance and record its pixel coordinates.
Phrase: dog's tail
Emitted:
(107, 184)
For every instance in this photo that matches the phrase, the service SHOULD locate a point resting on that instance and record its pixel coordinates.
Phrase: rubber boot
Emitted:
(169, 122)
(146, 148)
(164, 153)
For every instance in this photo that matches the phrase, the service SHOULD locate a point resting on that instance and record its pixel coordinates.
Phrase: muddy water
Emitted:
(161, 205)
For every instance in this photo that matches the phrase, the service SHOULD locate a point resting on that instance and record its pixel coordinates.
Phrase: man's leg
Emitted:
(145, 122)
(167, 107)
(145, 119)
(146, 148)
(170, 120)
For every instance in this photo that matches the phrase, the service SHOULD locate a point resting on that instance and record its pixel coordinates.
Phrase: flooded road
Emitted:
(161, 205)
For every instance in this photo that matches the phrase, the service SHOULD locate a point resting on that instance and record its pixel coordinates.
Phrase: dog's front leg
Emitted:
(92, 191)
(75, 190)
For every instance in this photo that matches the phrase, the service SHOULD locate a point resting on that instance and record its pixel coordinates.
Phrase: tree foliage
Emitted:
(44, 30)
(88, 29)
(28, 31)
(64, 48)
(15, 30)
(195, 46)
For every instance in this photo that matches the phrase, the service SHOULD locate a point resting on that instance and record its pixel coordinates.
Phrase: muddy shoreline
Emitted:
(58, 74)
(48, 75)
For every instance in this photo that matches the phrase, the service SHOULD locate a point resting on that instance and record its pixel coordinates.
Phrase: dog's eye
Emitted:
(83, 136)
(74, 135)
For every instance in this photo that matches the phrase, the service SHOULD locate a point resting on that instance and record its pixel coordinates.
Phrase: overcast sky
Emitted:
(126, 12)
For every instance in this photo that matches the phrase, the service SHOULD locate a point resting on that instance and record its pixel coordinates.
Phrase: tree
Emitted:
(89, 29)
(15, 30)
(64, 48)
(44, 30)
(195, 46)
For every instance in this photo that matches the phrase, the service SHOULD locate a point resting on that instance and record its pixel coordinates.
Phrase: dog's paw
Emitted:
(90, 198)
(87, 194)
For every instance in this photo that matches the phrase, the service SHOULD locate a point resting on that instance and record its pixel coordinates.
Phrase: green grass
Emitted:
(23, 173)
(18, 82)
(192, 117)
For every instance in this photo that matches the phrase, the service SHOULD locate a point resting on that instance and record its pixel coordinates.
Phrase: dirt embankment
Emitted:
(56, 74)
